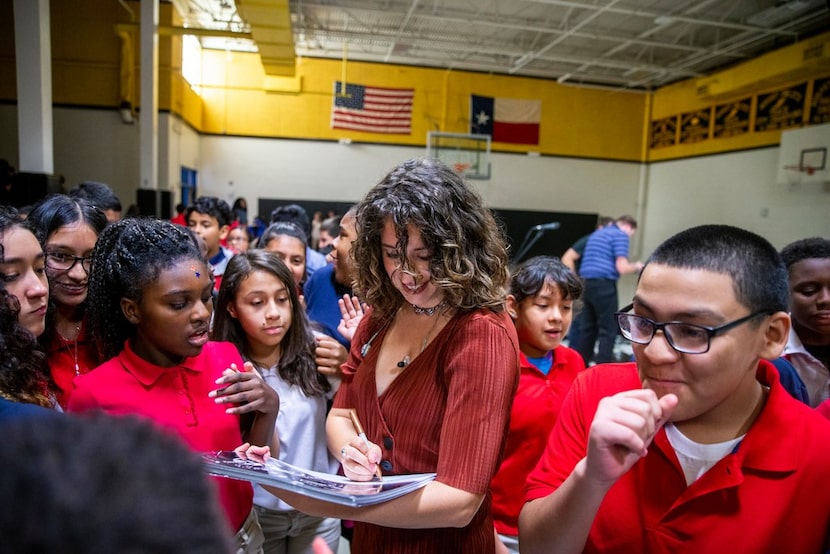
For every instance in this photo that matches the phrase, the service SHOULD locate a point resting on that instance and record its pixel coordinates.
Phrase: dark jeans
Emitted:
(596, 321)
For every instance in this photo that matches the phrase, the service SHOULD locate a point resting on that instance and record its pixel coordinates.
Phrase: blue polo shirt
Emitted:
(599, 261)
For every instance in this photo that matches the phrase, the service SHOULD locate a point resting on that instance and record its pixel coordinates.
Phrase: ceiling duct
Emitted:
(270, 22)
(783, 12)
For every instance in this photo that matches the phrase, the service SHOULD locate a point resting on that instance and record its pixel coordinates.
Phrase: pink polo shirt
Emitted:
(535, 409)
(176, 399)
(772, 494)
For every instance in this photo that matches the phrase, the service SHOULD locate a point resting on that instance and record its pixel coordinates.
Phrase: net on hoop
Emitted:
(795, 173)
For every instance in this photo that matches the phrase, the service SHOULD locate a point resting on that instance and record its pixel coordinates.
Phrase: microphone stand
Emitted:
(531, 237)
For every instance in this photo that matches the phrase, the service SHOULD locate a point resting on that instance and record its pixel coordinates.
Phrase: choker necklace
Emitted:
(429, 312)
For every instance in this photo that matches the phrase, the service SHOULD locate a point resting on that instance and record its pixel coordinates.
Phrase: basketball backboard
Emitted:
(468, 154)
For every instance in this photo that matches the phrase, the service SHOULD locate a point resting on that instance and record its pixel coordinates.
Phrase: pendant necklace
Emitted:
(74, 349)
(406, 360)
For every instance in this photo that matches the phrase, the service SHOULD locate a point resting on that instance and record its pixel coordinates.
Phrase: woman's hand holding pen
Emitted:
(360, 459)
(247, 390)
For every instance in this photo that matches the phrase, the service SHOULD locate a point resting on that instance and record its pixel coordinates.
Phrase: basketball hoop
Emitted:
(461, 167)
(794, 174)
(808, 169)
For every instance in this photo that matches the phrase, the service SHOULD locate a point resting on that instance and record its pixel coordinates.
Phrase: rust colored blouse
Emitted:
(447, 412)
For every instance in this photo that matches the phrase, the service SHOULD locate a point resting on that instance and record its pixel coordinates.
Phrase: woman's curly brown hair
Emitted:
(24, 375)
(469, 255)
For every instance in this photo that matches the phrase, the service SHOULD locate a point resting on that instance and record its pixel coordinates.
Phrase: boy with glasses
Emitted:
(696, 447)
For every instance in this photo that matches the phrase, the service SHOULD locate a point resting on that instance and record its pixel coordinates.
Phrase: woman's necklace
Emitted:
(406, 360)
(261, 365)
(74, 343)
(427, 311)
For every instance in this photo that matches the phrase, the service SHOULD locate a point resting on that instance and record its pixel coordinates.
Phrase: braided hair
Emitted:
(296, 366)
(128, 256)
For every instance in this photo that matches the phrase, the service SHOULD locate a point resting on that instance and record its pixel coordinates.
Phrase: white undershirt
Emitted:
(696, 458)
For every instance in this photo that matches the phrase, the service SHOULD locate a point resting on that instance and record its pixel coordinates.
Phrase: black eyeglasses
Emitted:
(687, 338)
(60, 261)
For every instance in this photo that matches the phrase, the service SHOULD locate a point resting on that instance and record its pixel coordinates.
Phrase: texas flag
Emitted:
(506, 119)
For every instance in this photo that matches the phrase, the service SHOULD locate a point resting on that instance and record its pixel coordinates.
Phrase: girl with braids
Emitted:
(23, 271)
(259, 311)
(433, 364)
(149, 309)
(67, 229)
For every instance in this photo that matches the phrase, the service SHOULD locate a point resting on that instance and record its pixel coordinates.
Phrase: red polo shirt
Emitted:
(535, 409)
(772, 494)
(62, 354)
(175, 398)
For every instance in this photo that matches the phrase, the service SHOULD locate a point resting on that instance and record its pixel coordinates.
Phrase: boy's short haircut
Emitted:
(95, 483)
(759, 277)
(99, 195)
(805, 249)
(528, 279)
(628, 220)
(212, 206)
(293, 213)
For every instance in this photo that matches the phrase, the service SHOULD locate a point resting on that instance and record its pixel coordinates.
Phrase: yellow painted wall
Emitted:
(237, 99)
(789, 66)
(575, 122)
(86, 53)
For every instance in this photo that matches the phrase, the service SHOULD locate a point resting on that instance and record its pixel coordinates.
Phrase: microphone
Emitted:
(546, 226)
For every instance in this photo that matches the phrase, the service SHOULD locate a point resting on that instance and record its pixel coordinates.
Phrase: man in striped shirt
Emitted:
(604, 260)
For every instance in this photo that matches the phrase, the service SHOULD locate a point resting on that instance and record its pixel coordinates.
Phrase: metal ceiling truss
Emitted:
(632, 44)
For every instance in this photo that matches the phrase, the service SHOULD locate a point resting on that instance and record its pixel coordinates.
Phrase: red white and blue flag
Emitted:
(509, 120)
(372, 109)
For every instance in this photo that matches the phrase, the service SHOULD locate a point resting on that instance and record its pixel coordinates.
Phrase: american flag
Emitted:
(373, 109)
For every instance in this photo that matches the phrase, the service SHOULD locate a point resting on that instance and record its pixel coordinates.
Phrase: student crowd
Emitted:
(201, 335)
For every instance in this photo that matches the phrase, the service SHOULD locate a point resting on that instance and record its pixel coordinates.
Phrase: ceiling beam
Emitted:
(522, 25)
(654, 15)
(529, 56)
(401, 28)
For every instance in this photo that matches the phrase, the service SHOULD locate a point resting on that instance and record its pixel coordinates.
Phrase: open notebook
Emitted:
(324, 486)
